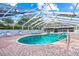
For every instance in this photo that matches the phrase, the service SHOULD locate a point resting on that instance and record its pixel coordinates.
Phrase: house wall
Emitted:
(70, 29)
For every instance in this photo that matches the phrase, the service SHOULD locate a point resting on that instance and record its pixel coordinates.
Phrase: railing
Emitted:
(62, 34)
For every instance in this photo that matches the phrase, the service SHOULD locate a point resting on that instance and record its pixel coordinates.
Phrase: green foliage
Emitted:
(10, 27)
(67, 15)
(33, 20)
(23, 19)
(8, 23)
(6, 27)
(1, 24)
(17, 27)
(8, 20)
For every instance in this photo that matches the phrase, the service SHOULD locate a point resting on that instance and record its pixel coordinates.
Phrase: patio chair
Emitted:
(2, 34)
(20, 32)
(8, 33)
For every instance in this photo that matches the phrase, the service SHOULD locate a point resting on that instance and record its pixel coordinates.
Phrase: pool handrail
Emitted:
(61, 34)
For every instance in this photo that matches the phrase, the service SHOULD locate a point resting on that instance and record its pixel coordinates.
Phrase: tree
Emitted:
(8, 20)
(1, 24)
(23, 19)
(67, 15)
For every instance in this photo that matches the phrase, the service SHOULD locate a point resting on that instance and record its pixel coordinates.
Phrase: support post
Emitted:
(68, 41)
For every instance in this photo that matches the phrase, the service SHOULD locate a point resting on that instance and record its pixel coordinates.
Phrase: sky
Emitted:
(58, 7)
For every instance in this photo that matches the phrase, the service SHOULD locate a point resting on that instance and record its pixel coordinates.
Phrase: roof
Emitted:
(57, 25)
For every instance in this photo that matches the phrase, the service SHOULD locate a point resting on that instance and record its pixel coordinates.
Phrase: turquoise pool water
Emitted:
(42, 39)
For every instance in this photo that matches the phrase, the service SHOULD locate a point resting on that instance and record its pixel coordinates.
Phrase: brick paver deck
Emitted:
(9, 47)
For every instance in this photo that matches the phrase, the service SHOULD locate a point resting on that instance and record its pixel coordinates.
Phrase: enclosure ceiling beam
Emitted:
(41, 24)
(72, 11)
(37, 24)
(35, 21)
(9, 11)
(65, 19)
(51, 8)
(32, 18)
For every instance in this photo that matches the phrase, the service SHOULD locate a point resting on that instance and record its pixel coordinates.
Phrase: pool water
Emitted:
(42, 39)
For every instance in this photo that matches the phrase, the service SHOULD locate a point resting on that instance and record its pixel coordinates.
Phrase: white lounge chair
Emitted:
(8, 33)
(20, 32)
(2, 34)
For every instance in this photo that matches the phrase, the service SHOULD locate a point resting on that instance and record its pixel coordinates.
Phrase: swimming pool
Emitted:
(42, 39)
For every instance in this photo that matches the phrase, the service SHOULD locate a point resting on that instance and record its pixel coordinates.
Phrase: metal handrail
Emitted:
(60, 36)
